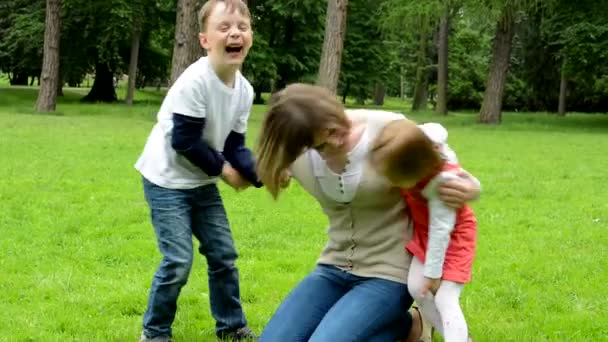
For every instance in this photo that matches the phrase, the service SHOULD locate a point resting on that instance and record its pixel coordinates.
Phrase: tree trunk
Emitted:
(420, 89)
(135, 38)
(18, 78)
(103, 86)
(186, 49)
(284, 71)
(333, 44)
(47, 95)
(442, 63)
(345, 92)
(563, 92)
(60, 80)
(501, 53)
(379, 93)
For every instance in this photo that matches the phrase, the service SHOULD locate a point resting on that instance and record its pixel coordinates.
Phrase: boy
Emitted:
(418, 159)
(199, 138)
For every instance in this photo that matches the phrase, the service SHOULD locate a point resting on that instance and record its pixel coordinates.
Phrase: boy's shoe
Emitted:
(145, 338)
(240, 334)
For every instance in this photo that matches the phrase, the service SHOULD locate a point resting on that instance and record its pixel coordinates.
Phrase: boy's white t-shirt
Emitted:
(198, 92)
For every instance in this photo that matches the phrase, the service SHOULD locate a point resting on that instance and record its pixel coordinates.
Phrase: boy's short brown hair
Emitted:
(403, 152)
(231, 6)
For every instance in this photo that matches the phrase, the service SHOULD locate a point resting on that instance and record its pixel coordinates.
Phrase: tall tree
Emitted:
(187, 48)
(138, 15)
(22, 25)
(563, 91)
(369, 59)
(491, 107)
(422, 18)
(422, 71)
(104, 24)
(442, 61)
(47, 96)
(333, 44)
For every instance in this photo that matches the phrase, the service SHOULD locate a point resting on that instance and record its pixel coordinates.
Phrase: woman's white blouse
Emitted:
(342, 187)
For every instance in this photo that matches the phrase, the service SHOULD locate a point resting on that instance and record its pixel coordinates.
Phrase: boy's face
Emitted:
(227, 37)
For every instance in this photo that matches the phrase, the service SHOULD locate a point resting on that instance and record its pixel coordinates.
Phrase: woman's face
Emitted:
(332, 141)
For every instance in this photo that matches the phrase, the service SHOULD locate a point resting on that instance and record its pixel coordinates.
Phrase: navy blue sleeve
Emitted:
(241, 158)
(186, 141)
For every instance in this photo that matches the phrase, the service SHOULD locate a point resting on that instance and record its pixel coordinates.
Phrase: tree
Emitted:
(422, 75)
(94, 34)
(292, 31)
(579, 33)
(22, 39)
(422, 18)
(47, 96)
(563, 91)
(368, 58)
(187, 48)
(333, 44)
(491, 107)
(442, 61)
(138, 15)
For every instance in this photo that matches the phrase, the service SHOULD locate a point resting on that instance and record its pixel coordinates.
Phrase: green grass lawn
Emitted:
(78, 250)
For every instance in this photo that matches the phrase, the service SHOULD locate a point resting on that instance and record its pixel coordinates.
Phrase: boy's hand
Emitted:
(233, 178)
(431, 285)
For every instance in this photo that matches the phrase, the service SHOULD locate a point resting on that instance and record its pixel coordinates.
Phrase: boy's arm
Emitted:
(441, 223)
(241, 158)
(189, 115)
(235, 150)
(186, 140)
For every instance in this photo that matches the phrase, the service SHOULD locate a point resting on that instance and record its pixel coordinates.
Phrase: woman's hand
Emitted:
(456, 192)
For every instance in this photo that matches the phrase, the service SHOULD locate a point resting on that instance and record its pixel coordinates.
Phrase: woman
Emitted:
(358, 290)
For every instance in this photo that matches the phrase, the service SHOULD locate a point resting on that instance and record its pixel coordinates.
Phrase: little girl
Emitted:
(418, 159)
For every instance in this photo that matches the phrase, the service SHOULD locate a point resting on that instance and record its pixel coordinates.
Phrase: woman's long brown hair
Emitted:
(295, 116)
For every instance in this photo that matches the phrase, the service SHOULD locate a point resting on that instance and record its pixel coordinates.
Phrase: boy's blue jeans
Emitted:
(176, 216)
(332, 305)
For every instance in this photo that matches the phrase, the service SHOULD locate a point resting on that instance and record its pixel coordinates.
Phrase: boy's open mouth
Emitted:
(234, 48)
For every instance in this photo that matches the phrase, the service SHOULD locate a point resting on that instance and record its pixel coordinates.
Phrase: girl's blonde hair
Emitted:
(295, 116)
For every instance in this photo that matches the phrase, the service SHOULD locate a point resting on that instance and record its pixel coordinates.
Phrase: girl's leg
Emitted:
(447, 301)
(426, 303)
(299, 314)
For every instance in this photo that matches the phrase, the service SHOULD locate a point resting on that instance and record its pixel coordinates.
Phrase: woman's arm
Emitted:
(456, 192)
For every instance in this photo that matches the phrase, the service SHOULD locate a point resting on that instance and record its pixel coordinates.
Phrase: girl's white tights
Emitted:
(442, 309)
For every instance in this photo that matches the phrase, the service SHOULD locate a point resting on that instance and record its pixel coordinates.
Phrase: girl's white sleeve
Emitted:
(441, 223)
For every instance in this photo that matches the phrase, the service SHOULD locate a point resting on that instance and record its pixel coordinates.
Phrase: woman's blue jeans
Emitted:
(332, 305)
